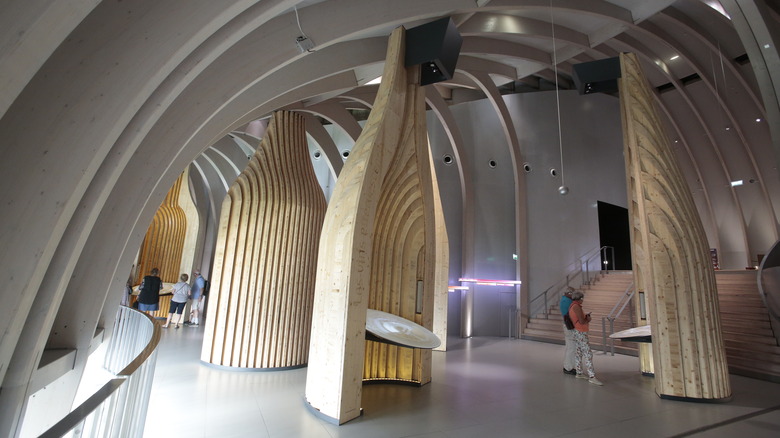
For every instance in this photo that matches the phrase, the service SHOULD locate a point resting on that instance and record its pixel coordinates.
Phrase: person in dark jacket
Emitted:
(149, 296)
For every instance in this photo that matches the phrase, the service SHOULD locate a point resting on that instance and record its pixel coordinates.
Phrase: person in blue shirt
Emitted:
(568, 355)
(198, 284)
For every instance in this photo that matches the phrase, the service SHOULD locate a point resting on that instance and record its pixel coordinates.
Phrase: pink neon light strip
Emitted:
(488, 282)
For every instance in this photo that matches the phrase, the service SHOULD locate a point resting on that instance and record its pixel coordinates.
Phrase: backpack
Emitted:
(206, 286)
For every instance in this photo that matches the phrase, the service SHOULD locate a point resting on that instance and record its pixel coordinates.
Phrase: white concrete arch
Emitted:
(104, 103)
(521, 204)
(443, 113)
(336, 114)
(733, 159)
(321, 136)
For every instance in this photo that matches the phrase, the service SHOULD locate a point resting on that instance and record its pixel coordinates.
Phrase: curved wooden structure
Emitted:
(379, 248)
(263, 276)
(670, 252)
(164, 240)
(402, 278)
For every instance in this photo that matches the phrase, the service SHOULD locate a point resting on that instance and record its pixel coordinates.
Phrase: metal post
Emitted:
(587, 271)
(604, 334)
(509, 317)
(466, 313)
(611, 331)
(612, 250)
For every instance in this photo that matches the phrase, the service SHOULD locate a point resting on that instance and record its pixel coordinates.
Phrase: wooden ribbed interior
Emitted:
(266, 253)
(164, 241)
(403, 224)
(362, 214)
(670, 253)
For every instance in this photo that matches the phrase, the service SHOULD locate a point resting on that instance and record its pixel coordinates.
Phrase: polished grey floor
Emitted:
(482, 387)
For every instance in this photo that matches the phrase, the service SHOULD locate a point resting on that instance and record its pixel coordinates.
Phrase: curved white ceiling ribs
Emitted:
(323, 139)
(737, 163)
(247, 142)
(708, 213)
(500, 40)
(111, 100)
(443, 113)
(712, 141)
(689, 58)
(336, 114)
(691, 28)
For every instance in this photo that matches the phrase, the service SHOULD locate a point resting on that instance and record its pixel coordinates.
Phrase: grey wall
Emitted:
(561, 228)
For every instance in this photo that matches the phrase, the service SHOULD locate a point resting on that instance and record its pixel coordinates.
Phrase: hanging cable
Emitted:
(562, 189)
(298, 19)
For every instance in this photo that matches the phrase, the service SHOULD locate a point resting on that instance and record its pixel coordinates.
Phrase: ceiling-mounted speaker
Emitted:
(434, 46)
(597, 76)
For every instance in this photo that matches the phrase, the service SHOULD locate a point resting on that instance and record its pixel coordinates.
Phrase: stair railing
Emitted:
(555, 291)
(603, 264)
(581, 268)
(614, 314)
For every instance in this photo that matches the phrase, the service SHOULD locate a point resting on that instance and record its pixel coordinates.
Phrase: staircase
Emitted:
(600, 298)
(751, 347)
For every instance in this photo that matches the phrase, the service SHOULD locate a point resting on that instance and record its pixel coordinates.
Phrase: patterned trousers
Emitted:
(583, 356)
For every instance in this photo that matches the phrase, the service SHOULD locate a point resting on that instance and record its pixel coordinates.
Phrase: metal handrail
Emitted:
(561, 285)
(557, 295)
(614, 314)
(603, 264)
(118, 408)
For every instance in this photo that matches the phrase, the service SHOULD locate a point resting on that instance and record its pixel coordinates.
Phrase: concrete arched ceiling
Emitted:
(103, 103)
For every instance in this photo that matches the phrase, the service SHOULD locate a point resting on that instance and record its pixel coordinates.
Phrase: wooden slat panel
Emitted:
(378, 222)
(265, 262)
(670, 253)
(164, 240)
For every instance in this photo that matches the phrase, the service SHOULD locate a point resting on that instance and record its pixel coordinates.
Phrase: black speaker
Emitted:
(597, 76)
(435, 46)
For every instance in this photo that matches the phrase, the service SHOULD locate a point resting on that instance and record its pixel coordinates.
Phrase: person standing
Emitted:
(198, 284)
(568, 333)
(149, 296)
(127, 293)
(583, 357)
(181, 293)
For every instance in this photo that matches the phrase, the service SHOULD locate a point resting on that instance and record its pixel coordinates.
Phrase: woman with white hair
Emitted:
(583, 356)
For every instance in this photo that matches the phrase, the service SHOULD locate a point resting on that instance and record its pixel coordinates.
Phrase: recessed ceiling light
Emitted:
(766, 46)
(736, 183)
(728, 128)
(758, 119)
(674, 57)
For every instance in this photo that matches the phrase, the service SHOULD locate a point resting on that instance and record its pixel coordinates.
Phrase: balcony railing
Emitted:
(118, 408)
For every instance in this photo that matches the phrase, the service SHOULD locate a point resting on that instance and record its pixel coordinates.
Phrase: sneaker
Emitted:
(193, 324)
(571, 371)
(595, 381)
(581, 376)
